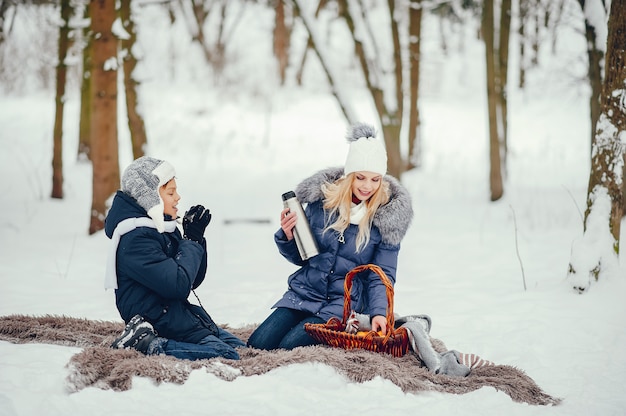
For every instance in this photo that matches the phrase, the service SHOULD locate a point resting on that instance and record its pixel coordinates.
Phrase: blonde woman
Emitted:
(358, 215)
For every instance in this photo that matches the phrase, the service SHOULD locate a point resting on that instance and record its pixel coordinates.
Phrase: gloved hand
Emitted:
(195, 222)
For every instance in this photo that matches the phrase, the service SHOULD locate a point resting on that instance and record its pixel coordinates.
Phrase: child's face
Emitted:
(170, 197)
(365, 184)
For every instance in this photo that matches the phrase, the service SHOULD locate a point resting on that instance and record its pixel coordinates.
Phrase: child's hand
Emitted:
(195, 222)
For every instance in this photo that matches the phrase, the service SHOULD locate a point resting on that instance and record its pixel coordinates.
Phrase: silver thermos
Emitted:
(307, 247)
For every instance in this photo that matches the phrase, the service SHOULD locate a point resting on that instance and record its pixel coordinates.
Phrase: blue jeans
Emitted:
(222, 345)
(284, 328)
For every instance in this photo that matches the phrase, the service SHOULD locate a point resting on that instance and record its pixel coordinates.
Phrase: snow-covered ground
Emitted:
(236, 149)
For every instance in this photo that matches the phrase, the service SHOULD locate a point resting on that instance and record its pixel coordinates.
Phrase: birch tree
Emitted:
(103, 130)
(596, 253)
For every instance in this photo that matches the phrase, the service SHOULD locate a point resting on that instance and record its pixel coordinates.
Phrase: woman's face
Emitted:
(365, 184)
(170, 197)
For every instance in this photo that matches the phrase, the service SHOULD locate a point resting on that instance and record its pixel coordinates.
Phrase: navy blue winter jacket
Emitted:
(318, 286)
(155, 275)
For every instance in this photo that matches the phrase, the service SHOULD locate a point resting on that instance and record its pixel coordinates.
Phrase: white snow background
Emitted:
(238, 146)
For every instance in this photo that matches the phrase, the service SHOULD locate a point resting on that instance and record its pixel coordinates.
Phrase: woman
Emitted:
(153, 268)
(358, 215)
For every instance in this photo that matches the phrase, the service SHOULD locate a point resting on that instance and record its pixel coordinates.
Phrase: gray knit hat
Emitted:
(142, 180)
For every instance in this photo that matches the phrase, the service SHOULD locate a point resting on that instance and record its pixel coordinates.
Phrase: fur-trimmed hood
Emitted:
(392, 219)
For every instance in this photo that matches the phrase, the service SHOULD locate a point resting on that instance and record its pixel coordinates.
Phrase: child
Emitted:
(153, 268)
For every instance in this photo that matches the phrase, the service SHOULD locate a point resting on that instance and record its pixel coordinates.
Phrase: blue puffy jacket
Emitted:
(156, 273)
(318, 285)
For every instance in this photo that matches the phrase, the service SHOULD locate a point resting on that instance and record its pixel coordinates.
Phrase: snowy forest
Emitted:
(505, 120)
(97, 56)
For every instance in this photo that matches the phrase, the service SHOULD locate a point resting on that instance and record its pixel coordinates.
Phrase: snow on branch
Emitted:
(597, 16)
(364, 34)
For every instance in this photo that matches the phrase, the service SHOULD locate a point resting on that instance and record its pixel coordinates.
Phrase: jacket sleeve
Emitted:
(203, 266)
(387, 259)
(288, 249)
(141, 257)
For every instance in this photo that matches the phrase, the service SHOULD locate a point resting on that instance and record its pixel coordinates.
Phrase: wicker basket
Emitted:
(394, 342)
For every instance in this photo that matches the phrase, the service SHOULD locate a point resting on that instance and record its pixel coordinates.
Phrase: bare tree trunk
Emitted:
(535, 39)
(594, 73)
(136, 123)
(219, 52)
(415, 34)
(595, 79)
(392, 122)
(299, 73)
(442, 36)
(503, 67)
(523, 19)
(624, 186)
(57, 148)
(557, 23)
(281, 40)
(84, 146)
(4, 7)
(395, 163)
(397, 58)
(607, 161)
(104, 155)
(605, 196)
(199, 14)
(495, 167)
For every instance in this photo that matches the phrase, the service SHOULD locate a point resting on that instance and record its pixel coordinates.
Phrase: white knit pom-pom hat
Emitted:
(366, 153)
(142, 180)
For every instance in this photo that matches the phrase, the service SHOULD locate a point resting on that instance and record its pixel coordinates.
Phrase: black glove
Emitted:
(195, 222)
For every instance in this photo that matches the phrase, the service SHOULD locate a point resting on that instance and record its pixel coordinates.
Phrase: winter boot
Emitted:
(137, 334)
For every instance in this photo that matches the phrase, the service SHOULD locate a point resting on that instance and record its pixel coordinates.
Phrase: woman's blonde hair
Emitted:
(338, 200)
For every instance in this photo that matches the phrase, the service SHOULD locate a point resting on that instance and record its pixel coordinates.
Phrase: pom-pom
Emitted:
(359, 130)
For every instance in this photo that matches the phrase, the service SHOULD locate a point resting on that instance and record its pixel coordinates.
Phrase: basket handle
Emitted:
(347, 287)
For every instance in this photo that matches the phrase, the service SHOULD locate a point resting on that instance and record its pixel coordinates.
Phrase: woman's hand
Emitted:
(379, 324)
(287, 222)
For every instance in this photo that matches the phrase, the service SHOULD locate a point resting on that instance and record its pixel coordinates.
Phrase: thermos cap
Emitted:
(289, 195)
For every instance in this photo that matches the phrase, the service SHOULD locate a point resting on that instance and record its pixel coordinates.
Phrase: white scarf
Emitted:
(357, 212)
(129, 224)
